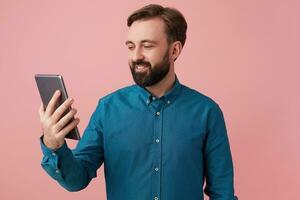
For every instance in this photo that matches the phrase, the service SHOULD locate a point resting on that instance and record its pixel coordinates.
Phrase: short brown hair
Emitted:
(176, 25)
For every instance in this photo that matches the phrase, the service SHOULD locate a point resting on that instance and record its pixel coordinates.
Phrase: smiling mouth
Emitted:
(141, 68)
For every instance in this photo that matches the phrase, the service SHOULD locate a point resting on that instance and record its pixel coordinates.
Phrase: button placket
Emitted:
(158, 114)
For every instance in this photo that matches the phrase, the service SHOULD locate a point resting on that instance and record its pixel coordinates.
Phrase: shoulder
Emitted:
(197, 97)
(208, 107)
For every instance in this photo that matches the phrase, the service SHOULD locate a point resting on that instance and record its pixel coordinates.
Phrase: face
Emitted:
(149, 59)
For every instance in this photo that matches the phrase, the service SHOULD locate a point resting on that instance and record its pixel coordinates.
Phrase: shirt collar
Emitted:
(169, 96)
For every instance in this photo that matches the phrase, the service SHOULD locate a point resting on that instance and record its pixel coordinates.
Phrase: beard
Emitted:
(152, 74)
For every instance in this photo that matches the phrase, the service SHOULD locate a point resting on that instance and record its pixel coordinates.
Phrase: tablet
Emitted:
(47, 84)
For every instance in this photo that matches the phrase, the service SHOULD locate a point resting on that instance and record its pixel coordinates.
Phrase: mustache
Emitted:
(140, 62)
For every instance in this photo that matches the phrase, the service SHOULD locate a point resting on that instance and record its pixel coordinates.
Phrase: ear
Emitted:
(176, 50)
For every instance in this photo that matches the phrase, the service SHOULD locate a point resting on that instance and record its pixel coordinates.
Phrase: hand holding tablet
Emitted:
(57, 119)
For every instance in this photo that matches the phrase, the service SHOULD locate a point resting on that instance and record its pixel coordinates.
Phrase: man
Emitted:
(158, 139)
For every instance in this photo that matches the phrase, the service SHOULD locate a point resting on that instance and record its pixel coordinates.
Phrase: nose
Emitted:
(137, 54)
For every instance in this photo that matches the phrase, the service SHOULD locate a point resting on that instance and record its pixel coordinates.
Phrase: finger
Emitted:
(65, 119)
(68, 128)
(52, 103)
(58, 113)
(41, 110)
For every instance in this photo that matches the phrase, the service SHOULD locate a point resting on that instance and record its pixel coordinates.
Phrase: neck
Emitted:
(160, 88)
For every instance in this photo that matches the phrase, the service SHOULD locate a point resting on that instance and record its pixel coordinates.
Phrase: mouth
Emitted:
(141, 68)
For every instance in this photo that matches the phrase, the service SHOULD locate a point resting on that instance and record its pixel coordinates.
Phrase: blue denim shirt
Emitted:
(152, 148)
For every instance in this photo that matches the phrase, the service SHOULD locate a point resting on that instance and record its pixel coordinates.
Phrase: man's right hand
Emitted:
(54, 123)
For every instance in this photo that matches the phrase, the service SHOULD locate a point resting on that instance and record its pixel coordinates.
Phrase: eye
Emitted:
(148, 46)
(130, 47)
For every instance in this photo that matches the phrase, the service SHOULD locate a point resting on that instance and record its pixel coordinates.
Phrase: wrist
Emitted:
(53, 145)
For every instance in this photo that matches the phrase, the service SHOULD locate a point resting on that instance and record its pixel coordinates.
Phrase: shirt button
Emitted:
(168, 102)
(153, 98)
(53, 154)
(157, 113)
(157, 140)
(147, 101)
(156, 169)
(155, 198)
(57, 171)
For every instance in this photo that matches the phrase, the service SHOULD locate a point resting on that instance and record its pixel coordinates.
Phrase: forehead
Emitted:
(149, 29)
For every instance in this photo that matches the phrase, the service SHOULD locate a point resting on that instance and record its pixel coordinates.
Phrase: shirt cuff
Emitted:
(62, 151)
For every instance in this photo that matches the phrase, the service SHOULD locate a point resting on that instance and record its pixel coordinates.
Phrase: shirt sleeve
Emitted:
(74, 169)
(218, 166)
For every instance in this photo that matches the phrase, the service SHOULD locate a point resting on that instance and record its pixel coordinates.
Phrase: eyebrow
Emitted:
(143, 41)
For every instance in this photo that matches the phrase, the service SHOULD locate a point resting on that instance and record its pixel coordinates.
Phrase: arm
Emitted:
(218, 164)
(74, 169)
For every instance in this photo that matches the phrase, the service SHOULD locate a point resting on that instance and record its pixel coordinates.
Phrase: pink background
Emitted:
(243, 54)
